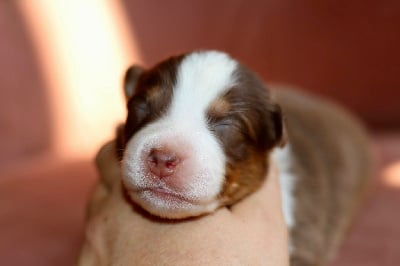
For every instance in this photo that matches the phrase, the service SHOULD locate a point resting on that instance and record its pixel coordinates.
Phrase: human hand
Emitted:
(252, 232)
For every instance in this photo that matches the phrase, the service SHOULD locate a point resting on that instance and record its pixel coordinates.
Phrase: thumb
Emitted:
(107, 163)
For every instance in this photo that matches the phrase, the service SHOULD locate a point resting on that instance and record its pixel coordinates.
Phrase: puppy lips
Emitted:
(159, 199)
(171, 206)
(183, 187)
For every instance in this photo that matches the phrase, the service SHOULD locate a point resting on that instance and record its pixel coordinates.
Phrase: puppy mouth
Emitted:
(164, 194)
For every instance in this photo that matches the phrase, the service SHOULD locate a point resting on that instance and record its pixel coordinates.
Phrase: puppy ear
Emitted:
(278, 119)
(131, 80)
(275, 130)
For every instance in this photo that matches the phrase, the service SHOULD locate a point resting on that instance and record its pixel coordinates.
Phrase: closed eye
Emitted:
(141, 110)
(224, 126)
(219, 127)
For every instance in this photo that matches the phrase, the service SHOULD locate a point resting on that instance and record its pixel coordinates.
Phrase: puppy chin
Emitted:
(171, 206)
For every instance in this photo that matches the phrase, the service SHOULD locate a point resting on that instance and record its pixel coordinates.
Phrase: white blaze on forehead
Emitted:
(201, 78)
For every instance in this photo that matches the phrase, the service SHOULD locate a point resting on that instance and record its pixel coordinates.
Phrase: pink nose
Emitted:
(162, 162)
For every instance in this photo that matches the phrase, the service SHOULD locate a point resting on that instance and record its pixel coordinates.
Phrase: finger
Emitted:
(106, 154)
(107, 163)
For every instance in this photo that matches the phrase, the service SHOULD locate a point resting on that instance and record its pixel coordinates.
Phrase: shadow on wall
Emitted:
(346, 52)
(24, 113)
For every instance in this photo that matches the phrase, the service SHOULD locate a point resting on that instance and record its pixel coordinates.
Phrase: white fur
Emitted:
(282, 158)
(201, 78)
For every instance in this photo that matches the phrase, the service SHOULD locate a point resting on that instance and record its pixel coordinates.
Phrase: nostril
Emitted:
(163, 157)
(162, 162)
(171, 163)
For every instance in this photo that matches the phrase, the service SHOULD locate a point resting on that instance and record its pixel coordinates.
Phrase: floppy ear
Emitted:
(278, 119)
(131, 79)
(273, 133)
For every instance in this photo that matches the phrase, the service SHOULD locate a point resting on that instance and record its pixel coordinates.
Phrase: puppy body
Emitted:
(202, 130)
(325, 167)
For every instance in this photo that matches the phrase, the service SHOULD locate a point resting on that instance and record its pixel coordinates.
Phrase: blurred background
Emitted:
(61, 69)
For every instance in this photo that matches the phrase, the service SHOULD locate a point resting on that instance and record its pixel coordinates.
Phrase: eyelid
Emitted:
(225, 124)
(217, 120)
(227, 121)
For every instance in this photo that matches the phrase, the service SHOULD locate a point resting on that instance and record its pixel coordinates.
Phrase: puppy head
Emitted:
(197, 135)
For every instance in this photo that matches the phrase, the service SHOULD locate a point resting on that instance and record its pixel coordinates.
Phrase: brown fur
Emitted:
(248, 124)
(332, 162)
(151, 95)
(237, 187)
(219, 108)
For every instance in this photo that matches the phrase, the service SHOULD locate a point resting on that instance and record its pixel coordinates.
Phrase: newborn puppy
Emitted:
(199, 131)
(202, 131)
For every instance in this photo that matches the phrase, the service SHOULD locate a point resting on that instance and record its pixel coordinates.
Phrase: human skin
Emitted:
(252, 232)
